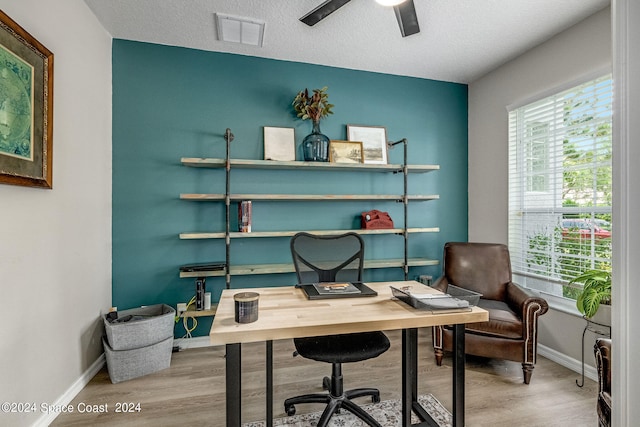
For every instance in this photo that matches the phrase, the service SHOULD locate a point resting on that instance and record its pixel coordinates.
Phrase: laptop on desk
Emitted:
(326, 290)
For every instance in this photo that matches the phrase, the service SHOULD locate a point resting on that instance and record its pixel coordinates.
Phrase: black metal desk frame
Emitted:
(598, 329)
(409, 381)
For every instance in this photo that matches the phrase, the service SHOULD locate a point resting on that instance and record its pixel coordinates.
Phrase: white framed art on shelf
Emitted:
(374, 142)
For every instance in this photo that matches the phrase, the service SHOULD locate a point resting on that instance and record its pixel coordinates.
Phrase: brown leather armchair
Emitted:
(512, 330)
(602, 351)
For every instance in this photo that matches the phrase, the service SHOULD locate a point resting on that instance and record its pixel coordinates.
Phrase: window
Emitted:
(560, 186)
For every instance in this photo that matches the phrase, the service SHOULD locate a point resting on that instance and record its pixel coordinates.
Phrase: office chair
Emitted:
(314, 258)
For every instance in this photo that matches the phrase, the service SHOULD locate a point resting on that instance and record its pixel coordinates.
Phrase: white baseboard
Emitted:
(568, 362)
(72, 392)
(196, 342)
(80, 383)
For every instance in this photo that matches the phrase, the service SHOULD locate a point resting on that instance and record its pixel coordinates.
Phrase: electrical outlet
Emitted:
(181, 308)
(425, 279)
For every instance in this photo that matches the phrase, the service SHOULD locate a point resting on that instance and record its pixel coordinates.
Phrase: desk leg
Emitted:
(410, 382)
(233, 388)
(269, 368)
(458, 375)
(409, 373)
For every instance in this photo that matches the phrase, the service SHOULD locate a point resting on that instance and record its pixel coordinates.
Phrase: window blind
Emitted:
(560, 186)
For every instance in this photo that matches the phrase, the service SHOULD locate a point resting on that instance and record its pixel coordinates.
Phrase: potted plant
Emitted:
(596, 291)
(314, 106)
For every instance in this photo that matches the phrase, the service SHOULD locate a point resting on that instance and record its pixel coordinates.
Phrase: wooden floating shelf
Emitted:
(304, 197)
(251, 269)
(239, 235)
(272, 164)
(192, 312)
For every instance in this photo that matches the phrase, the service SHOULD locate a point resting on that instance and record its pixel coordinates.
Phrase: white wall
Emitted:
(552, 64)
(55, 245)
(580, 51)
(626, 205)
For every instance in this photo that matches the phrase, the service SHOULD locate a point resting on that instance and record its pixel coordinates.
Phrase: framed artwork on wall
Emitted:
(279, 144)
(374, 142)
(346, 152)
(26, 108)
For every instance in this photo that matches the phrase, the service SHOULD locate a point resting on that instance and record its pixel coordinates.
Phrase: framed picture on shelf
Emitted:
(26, 108)
(279, 144)
(346, 152)
(374, 142)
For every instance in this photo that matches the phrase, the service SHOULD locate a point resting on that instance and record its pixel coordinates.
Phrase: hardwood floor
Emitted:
(191, 391)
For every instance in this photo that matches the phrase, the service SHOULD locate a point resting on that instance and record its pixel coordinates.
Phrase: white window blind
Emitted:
(560, 186)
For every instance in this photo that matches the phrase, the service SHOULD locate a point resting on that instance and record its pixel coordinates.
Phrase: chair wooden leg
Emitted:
(527, 370)
(439, 353)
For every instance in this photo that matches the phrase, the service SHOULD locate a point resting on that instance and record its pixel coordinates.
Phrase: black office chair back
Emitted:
(328, 258)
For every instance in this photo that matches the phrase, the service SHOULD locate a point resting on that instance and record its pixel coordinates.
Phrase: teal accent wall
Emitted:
(173, 102)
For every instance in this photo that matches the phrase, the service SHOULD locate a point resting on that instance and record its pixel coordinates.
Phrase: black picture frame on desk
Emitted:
(311, 292)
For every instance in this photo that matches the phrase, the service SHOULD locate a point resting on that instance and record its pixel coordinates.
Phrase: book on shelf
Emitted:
(203, 266)
(244, 216)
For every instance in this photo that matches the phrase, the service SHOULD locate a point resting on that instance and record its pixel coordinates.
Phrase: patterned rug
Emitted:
(387, 413)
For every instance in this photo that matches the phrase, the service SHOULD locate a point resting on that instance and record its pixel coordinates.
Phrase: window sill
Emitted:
(555, 302)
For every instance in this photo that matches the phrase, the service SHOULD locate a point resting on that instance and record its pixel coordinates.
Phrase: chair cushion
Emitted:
(343, 348)
(480, 267)
(503, 322)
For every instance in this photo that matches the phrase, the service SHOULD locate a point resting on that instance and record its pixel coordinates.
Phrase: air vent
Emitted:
(237, 29)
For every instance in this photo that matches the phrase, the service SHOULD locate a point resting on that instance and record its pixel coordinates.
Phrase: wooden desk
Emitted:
(285, 312)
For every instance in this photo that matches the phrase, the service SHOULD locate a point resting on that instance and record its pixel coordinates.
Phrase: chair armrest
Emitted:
(441, 284)
(526, 303)
(602, 351)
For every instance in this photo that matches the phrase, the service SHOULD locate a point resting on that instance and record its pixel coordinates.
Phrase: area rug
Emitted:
(387, 413)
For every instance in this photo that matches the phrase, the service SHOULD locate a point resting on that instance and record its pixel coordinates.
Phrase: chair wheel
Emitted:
(375, 398)
(326, 383)
(291, 411)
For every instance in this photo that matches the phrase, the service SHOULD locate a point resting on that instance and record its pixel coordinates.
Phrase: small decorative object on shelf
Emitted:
(315, 146)
(244, 216)
(376, 219)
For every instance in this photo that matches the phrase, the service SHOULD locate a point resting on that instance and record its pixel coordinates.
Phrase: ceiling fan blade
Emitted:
(407, 18)
(322, 11)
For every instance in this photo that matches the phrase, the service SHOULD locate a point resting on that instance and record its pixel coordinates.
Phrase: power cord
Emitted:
(185, 321)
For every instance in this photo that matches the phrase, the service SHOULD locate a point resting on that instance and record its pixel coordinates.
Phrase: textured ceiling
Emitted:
(460, 40)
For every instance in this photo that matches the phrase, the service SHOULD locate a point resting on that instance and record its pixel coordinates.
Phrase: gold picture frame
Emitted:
(374, 142)
(26, 108)
(346, 152)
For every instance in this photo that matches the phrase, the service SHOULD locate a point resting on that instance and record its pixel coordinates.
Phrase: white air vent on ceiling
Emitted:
(236, 29)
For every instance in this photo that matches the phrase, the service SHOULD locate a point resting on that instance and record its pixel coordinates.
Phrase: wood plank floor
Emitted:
(191, 391)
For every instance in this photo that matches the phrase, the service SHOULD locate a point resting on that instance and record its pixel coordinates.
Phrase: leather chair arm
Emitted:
(441, 283)
(527, 304)
(602, 350)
